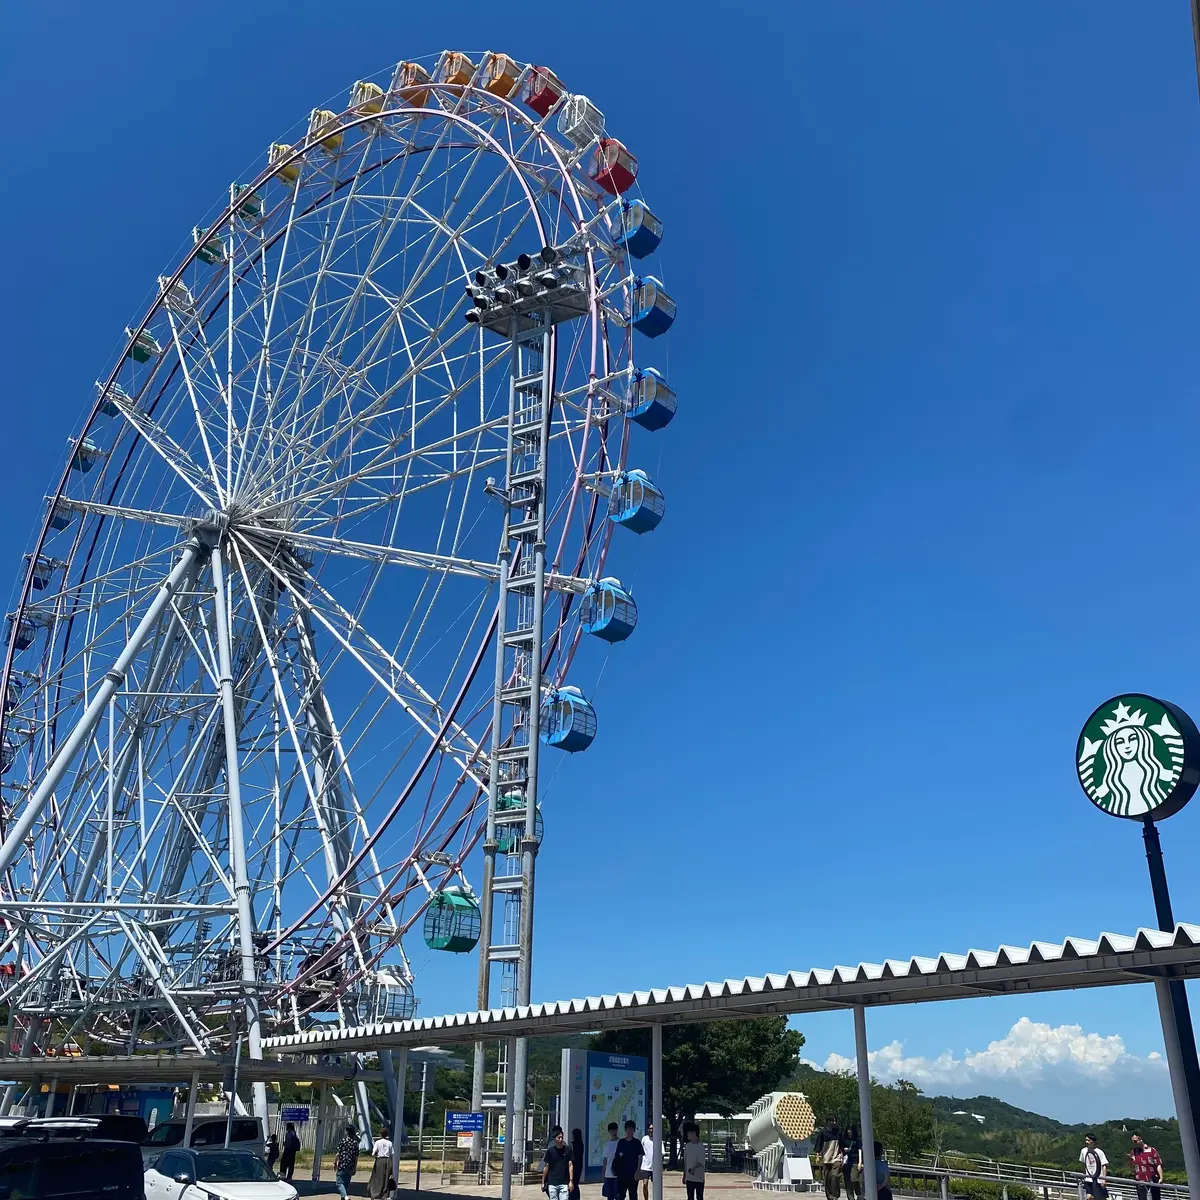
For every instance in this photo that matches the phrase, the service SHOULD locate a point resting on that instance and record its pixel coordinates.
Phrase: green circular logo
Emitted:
(1139, 757)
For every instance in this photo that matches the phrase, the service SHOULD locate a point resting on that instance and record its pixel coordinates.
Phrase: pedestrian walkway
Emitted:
(729, 1187)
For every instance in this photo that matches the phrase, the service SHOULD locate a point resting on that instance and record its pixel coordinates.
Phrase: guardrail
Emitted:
(1045, 1180)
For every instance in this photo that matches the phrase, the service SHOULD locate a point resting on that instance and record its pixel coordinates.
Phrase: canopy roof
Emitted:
(1042, 967)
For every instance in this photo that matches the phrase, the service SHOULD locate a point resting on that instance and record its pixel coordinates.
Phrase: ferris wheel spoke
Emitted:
(172, 454)
(270, 303)
(314, 788)
(473, 761)
(191, 391)
(380, 240)
(334, 481)
(402, 301)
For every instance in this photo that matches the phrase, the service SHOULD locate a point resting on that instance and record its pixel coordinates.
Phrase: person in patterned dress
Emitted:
(346, 1162)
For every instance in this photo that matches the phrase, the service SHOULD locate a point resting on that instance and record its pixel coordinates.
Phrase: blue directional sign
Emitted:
(464, 1122)
(298, 1114)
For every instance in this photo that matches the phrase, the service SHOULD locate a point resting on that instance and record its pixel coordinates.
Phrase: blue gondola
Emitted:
(651, 399)
(18, 681)
(568, 721)
(635, 228)
(509, 834)
(653, 311)
(609, 611)
(635, 502)
(87, 455)
(22, 633)
(109, 406)
(43, 572)
(61, 517)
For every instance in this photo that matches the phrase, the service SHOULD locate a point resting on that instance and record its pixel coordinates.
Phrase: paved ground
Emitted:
(727, 1187)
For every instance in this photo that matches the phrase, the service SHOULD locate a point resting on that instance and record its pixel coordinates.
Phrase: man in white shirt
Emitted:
(1095, 1169)
(608, 1189)
(649, 1158)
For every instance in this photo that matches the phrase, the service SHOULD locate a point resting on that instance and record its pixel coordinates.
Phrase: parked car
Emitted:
(114, 1127)
(57, 1169)
(222, 1174)
(11, 1127)
(246, 1134)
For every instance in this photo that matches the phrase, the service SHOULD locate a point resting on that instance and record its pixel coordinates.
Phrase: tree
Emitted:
(903, 1118)
(720, 1066)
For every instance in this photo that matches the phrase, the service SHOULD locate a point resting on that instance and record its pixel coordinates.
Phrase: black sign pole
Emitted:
(1179, 1000)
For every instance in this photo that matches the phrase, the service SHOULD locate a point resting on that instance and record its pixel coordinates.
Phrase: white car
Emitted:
(214, 1175)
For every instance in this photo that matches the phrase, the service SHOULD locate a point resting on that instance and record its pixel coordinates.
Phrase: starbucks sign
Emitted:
(1139, 757)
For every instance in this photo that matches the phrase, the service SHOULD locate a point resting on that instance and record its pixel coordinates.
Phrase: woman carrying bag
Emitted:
(380, 1184)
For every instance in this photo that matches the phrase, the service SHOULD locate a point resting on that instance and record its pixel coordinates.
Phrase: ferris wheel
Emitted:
(299, 618)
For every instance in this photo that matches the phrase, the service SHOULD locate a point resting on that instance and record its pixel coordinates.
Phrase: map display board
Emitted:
(599, 1088)
(616, 1092)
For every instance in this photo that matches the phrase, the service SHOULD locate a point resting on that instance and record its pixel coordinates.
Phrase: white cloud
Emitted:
(1084, 1076)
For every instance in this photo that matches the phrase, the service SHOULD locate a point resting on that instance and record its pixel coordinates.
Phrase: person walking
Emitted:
(693, 1161)
(558, 1169)
(291, 1144)
(852, 1162)
(882, 1174)
(345, 1162)
(829, 1151)
(1095, 1169)
(381, 1166)
(272, 1149)
(608, 1188)
(627, 1161)
(649, 1158)
(1147, 1168)
(576, 1161)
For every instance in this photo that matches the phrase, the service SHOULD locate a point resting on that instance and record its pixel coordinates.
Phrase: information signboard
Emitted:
(464, 1122)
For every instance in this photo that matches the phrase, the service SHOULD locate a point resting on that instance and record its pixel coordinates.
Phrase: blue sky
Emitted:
(930, 489)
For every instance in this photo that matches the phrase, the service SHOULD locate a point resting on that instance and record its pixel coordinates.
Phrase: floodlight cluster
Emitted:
(532, 284)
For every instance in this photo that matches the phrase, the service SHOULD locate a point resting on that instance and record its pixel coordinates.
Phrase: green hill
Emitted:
(1018, 1135)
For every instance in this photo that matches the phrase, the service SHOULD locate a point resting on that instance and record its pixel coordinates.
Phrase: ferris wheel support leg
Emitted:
(79, 736)
(363, 1103)
(160, 660)
(237, 836)
(478, 1148)
(529, 845)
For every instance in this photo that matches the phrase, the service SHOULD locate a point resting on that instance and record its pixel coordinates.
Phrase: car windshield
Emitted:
(230, 1166)
(169, 1134)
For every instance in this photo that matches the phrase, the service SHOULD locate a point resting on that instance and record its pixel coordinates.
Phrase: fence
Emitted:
(1050, 1182)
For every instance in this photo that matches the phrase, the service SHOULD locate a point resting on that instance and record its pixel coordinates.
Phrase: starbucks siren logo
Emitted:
(1139, 757)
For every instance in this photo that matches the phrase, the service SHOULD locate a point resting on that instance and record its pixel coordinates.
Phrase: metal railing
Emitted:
(1048, 1181)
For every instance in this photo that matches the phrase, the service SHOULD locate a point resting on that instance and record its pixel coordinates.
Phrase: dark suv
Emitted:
(111, 1126)
(33, 1169)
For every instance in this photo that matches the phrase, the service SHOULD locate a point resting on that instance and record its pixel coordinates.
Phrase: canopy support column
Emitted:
(507, 1157)
(190, 1115)
(399, 1087)
(656, 1090)
(319, 1135)
(1168, 1014)
(870, 1187)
